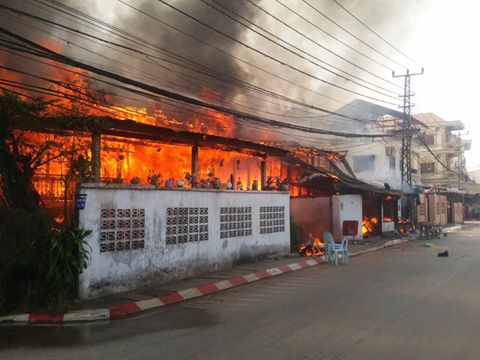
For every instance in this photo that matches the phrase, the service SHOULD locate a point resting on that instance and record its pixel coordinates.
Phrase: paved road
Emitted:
(398, 303)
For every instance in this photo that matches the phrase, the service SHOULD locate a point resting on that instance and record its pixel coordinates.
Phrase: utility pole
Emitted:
(460, 161)
(405, 161)
(461, 170)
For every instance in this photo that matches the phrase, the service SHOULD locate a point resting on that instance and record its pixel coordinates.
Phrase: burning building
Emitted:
(171, 190)
(326, 200)
(165, 204)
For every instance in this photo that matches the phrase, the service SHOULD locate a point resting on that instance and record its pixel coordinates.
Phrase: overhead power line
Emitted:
(375, 33)
(183, 76)
(291, 136)
(42, 51)
(294, 47)
(333, 37)
(123, 34)
(268, 56)
(318, 44)
(352, 34)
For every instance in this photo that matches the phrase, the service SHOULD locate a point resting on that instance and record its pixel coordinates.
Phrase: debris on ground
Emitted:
(428, 245)
(443, 254)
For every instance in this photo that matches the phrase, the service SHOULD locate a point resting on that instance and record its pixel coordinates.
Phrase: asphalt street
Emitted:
(397, 303)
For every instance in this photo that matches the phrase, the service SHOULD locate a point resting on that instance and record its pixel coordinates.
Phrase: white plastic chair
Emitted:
(332, 250)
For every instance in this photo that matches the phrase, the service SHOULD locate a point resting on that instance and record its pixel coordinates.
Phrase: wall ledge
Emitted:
(111, 186)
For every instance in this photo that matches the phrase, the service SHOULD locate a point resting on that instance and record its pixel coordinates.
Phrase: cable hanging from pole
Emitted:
(129, 36)
(268, 56)
(293, 46)
(352, 34)
(375, 33)
(42, 51)
(318, 44)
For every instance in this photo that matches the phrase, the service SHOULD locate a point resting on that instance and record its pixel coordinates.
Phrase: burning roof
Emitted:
(129, 129)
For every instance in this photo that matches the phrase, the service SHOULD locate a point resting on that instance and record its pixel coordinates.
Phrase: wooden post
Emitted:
(194, 165)
(263, 173)
(96, 160)
(289, 174)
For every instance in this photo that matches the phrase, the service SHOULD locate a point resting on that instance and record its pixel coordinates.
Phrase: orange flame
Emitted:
(368, 225)
(128, 160)
(314, 247)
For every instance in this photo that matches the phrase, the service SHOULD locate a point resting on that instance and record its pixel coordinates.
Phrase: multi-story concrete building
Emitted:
(475, 175)
(447, 167)
(378, 162)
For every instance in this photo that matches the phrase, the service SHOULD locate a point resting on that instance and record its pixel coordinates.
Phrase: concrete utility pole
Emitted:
(460, 162)
(405, 161)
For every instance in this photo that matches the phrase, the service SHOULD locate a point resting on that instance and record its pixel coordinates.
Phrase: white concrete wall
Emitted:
(116, 271)
(346, 208)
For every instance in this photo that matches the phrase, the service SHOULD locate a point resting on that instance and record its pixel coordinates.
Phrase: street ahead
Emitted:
(398, 303)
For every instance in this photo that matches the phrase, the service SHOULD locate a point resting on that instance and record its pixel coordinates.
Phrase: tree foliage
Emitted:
(37, 261)
(18, 159)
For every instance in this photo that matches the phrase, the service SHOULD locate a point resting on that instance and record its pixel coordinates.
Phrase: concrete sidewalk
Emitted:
(237, 271)
(143, 299)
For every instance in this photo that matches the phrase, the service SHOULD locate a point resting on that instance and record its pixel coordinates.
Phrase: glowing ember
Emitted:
(404, 226)
(314, 246)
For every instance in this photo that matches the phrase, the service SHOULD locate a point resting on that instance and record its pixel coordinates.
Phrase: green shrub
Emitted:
(24, 245)
(295, 236)
(69, 256)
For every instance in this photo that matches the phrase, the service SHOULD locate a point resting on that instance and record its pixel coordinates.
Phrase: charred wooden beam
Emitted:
(96, 156)
(154, 138)
(133, 129)
(195, 165)
(263, 174)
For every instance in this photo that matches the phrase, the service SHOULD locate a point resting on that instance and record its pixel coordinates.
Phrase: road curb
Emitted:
(120, 311)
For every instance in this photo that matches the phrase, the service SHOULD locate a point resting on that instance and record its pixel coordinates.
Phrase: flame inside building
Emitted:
(368, 225)
(161, 162)
(129, 161)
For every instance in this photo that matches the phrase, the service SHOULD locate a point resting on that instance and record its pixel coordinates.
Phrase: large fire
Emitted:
(314, 246)
(140, 162)
(151, 163)
(134, 162)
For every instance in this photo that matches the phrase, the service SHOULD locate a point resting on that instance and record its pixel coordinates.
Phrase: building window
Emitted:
(235, 221)
(429, 139)
(392, 162)
(122, 229)
(272, 219)
(428, 168)
(364, 163)
(186, 224)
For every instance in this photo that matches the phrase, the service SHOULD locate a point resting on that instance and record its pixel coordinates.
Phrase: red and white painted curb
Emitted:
(119, 311)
